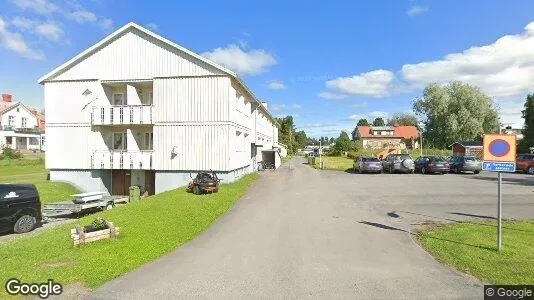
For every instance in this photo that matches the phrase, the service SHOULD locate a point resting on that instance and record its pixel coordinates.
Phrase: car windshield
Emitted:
(370, 159)
(402, 157)
(437, 159)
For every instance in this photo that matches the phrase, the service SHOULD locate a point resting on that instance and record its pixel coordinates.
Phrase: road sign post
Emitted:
(499, 156)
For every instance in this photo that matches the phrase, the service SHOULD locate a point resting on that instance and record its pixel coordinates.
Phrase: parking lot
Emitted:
(410, 199)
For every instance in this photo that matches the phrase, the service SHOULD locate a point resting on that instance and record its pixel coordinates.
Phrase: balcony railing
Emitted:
(122, 115)
(123, 159)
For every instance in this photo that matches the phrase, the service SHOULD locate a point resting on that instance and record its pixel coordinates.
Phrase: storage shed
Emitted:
(468, 148)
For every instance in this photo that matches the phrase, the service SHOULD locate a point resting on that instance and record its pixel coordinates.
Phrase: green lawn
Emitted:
(149, 229)
(471, 248)
(33, 171)
(337, 163)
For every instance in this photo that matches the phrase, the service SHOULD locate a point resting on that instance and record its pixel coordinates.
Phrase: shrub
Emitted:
(8, 153)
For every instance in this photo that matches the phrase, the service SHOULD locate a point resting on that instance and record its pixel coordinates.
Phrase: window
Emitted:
(11, 121)
(24, 122)
(149, 141)
(119, 141)
(118, 99)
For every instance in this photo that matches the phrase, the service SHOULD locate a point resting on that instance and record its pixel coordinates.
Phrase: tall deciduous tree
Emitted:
(528, 128)
(286, 133)
(301, 139)
(363, 122)
(403, 119)
(343, 143)
(455, 112)
(379, 122)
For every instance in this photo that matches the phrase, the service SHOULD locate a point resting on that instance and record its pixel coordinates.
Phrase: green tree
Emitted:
(343, 143)
(528, 128)
(403, 119)
(455, 112)
(301, 139)
(286, 133)
(379, 122)
(363, 122)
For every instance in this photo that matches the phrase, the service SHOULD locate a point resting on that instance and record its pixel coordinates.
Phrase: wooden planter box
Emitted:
(79, 237)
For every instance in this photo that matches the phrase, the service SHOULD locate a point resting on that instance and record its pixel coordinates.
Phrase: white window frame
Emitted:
(149, 141)
(124, 141)
(123, 100)
(23, 122)
(10, 120)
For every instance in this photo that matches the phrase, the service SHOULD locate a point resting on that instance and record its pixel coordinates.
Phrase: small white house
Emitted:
(138, 109)
(19, 128)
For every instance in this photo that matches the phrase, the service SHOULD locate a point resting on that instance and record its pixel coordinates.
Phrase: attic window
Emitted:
(18, 109)
(86, 92)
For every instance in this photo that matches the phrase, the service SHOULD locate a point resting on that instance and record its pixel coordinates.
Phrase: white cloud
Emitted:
(83, 16)
(276, 107)
(370, 116)
(276, 85)
(416, 10)
(376, 83)
(105, 23)
(43, 7)
(237, 59)
(152, 26)
(23, 24)
(15, 43)
(332, 96)
(49, 31)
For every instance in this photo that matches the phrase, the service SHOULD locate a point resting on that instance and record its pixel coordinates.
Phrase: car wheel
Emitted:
(110, 206)
(196, 190)
(24, 224)
(423, 170)
(476, 172)
(530, 170)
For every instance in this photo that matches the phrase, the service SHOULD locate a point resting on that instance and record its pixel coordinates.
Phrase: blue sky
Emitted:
(328, 63)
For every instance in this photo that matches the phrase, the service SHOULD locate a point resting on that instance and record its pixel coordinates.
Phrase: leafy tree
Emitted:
(301, 139)
(332, 140)
(286, 133)
(528, 129)
(403, 119)
(343, 143)
(455, 112)
(363, 122)
(379, 122)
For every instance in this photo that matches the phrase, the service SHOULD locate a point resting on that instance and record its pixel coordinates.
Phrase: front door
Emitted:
(120, 182)
(150, 182)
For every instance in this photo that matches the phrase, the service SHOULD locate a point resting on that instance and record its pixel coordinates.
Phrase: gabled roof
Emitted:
(133, 25)
(405, 132)
(468, 144)
(5, 105)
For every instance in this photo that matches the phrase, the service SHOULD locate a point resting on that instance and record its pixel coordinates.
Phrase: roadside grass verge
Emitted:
(471, 248)
(336, 163)
(33, 171)
(149, 229)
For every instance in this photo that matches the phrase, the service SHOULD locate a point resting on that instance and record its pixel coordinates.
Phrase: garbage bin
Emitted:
(135, 193)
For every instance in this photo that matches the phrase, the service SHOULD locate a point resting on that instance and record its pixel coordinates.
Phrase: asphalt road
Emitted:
(302, 233)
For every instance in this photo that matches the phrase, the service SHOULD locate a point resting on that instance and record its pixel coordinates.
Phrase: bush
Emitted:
(8, 153)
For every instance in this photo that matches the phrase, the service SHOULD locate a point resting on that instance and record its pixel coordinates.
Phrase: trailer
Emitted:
(82, 203)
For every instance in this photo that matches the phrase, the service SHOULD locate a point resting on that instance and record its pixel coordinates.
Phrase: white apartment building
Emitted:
(138, 109)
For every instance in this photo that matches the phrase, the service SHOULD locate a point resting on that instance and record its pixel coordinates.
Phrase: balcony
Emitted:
(122, 115)
(123, 160)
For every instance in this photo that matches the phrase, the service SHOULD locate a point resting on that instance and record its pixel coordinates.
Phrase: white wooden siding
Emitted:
(71, 147)
(65, 102)
(135, 55)
(199, 99)
(198, 147)
(16, 116)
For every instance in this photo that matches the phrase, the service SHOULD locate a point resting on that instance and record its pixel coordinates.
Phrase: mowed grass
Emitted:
(337, 163)
(149, 229)
(471, 248)
(33, 171)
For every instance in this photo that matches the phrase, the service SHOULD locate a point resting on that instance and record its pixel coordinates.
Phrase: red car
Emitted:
(525, 162)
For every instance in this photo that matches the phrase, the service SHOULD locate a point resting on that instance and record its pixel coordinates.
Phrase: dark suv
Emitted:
(20, 207)
(459, 164)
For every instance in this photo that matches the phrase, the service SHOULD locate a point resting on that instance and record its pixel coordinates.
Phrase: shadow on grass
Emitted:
(492, 249)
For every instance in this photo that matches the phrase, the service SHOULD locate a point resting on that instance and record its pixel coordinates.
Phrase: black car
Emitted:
(367, 164)
(461, 164)
(431, 164)
(20, 207)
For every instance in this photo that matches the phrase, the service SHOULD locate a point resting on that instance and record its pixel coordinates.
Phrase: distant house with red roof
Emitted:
(387, 137)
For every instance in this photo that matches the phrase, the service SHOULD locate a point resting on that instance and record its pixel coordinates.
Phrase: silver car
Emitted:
(367, 164)
(402, 163)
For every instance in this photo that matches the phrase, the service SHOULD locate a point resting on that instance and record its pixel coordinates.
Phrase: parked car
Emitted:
(367, 164)
(461, 164)
(525, 162)
(431, 164)
(20, 207)
(398, 163)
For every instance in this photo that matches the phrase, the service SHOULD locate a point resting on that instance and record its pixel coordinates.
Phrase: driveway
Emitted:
(302, 233)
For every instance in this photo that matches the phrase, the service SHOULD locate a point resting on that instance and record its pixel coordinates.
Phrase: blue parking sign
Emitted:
(491, 166)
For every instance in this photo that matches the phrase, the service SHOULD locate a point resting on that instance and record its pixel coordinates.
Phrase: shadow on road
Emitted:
(382, 226)
(519, 181)
(472, 215)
